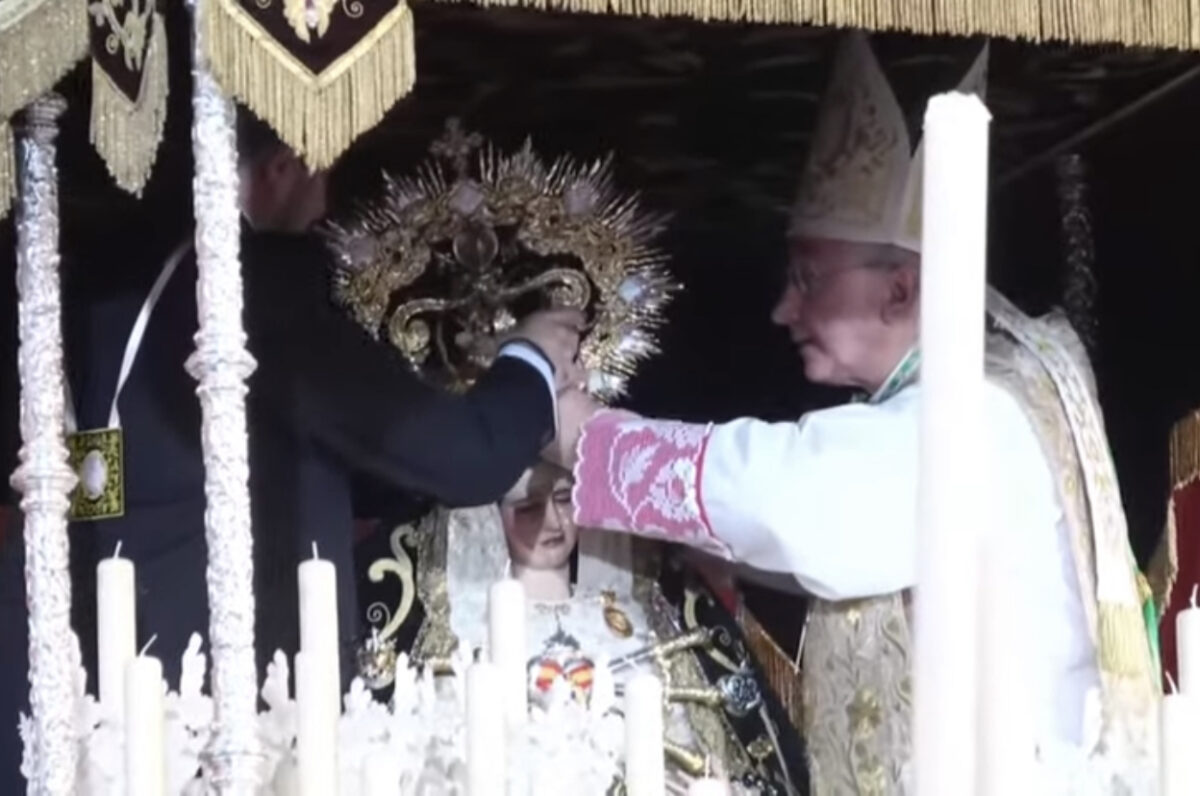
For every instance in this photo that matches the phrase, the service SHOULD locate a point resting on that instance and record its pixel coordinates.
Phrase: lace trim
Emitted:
(643, 476)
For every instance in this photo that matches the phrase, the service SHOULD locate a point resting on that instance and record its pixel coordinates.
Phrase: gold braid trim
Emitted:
(40, 40)
(1123, 649)
(782, 673)
(318, 116)
(1185, 469)
(8, 168)
(127, 134)
(1161, 23)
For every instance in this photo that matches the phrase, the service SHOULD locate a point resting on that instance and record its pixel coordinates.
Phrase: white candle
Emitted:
(145, 742)
(316, 728)
(708, 786)
(1187, 646)
(1006, 746)
(645, 771)
(319, 625)
(1180, 729)
(506, 645)
(487, 770)
(116, 627)
(380, 774)
(950, 481)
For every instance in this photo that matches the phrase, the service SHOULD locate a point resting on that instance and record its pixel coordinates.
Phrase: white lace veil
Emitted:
(477, 556)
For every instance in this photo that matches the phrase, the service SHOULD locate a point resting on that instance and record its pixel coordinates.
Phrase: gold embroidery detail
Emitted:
(616, 619)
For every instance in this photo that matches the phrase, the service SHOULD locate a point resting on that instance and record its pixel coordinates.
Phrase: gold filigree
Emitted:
(126, 35)
(616, 619)
(448, 258)
(309, 16)
(400, 565)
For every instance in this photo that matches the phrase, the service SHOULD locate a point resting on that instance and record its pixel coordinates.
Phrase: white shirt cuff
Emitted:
(532, 357)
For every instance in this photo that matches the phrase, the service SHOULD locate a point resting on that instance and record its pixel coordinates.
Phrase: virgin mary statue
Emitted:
(443, 265)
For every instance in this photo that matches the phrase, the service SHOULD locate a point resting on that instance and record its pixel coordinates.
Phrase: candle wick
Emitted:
(117, 554)
(1195, 588)
(316, 555)
(148, 643)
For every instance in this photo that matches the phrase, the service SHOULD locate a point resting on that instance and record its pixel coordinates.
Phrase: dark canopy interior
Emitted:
(711, 123)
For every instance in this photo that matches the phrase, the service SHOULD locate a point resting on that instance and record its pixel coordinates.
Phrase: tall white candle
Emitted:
(1180, 729)
(950, 482)
(316, 728)
(506, 645)
(1006, 744)
(645, 771)
(487, 769)
(319, 624)
(116, 628)
(1187, 646)
(145, 720)
(380, 774)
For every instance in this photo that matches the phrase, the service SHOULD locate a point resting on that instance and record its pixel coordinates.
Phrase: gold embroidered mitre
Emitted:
(862, 181)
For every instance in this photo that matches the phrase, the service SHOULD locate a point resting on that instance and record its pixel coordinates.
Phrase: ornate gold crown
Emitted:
(452, 257)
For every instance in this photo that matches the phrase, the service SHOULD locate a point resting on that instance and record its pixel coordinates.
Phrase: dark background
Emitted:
(710, 122)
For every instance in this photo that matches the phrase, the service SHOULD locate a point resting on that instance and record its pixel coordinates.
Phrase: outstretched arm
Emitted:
(831, 499)
(359, 399)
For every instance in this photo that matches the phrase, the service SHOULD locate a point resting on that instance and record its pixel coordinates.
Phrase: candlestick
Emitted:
(487, 771)
(1180, 728)
(645, 772)
(317, 580)
(506, 645)
(1187, 644)
(145, 730)
(316, 727)
(950, 482)
(116, 626)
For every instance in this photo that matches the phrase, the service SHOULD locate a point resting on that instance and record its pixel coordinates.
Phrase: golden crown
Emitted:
(452, 257)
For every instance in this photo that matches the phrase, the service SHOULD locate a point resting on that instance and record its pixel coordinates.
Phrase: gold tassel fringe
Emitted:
(40, 40)
(1124, 648)
(778, 667)
(1161, 23)
(318, 116)
(127, 134)
(1185, 469)
(8, 168)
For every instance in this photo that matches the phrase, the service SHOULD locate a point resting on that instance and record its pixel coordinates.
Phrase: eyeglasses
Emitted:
(807, 278)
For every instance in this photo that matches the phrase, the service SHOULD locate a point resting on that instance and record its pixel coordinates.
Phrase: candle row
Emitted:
(131, 684)
(1181, 710)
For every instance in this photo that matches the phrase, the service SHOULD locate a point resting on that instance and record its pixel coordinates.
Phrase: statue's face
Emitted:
(537, 523)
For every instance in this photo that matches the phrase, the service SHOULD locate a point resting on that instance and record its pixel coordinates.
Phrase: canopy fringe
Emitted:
(1171, 24)
(40, 40)
(317, 115)
(127, 134)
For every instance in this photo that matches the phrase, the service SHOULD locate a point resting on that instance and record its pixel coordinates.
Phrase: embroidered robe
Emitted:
(831, 500)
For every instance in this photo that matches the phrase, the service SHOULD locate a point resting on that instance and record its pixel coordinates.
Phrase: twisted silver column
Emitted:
(222, 364)
(1080, 289)
(44, 477)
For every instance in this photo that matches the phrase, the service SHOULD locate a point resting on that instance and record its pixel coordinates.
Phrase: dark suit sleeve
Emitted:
(357, 397)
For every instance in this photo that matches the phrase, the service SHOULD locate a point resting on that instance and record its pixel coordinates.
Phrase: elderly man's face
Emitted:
(850, 309)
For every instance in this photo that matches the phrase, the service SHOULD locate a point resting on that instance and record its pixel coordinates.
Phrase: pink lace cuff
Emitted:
(643, 476)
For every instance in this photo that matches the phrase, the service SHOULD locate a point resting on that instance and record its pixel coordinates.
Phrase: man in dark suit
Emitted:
(330, 413)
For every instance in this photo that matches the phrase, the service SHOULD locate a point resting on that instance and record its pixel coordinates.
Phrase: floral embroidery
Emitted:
(643, 476)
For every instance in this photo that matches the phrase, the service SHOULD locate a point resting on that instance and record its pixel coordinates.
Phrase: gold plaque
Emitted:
(98, 458)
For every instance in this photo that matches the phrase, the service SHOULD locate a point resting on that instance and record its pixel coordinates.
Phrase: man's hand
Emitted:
(556, 334)
(575, 408)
